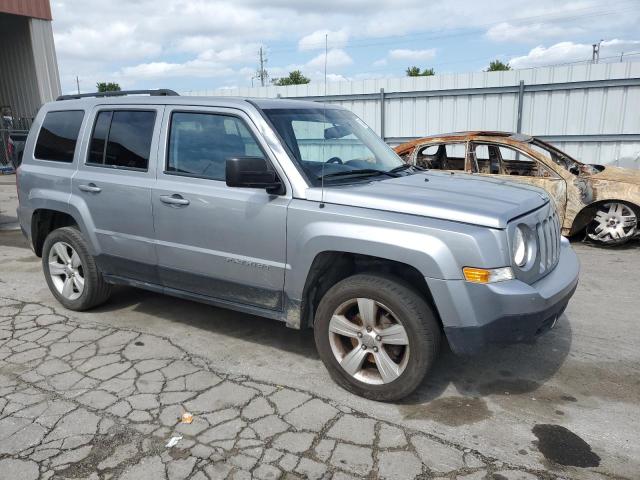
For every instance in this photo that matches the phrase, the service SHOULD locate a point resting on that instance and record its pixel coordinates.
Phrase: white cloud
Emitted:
(87, 43)
(414, 55)
(507, 32)
(316, 40)
(336, 58)
(567, 52)
(187, 39)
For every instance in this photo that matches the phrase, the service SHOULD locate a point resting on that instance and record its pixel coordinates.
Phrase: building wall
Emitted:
(28, 65)
(568, 105)
(28, 8)
(18, 81)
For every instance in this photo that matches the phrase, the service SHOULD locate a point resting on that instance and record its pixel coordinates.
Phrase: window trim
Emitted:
(165, 164)
(78, 140)
(106, 141)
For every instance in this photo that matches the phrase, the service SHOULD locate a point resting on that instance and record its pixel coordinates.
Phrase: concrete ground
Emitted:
(99, 394)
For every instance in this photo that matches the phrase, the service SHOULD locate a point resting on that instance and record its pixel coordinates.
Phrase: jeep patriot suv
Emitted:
(295, 211)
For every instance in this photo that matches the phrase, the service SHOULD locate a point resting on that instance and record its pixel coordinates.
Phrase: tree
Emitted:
(108, 87)
(415, 72)
(295, 78)
(498, 66)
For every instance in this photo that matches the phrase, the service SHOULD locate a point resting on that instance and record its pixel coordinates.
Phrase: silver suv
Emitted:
(295, 211)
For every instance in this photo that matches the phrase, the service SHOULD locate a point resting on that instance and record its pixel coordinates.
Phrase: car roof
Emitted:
(232, 102)
(465, 136)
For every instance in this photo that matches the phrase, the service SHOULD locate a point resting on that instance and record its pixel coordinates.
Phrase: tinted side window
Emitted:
(99, 137)
(200, 143)
(58, 136)
(128, 134)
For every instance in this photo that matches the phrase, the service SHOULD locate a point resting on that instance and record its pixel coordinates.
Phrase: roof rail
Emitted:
(161, 92)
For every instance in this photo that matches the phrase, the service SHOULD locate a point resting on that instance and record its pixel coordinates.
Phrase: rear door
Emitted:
(442, 156)
(214, 240)
(114, 181)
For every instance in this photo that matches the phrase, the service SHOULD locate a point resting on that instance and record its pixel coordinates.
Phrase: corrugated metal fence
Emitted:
(590, 111)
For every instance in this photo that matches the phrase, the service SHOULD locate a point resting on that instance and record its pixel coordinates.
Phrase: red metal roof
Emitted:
(28, 8)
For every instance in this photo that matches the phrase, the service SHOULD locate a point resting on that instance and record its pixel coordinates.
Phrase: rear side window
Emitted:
(122, 139)
(201, 143)
(58, 136)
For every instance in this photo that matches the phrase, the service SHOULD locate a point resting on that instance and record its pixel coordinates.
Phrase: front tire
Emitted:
(613, 224)
(71, 272)
(377, 337)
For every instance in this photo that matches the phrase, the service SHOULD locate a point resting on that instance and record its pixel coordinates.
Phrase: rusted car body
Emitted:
(603, 201)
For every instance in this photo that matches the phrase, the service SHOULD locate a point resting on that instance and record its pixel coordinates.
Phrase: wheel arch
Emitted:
(46, 220)
(585, 215)
(330, 267)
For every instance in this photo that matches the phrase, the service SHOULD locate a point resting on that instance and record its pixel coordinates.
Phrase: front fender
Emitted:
(436, 248)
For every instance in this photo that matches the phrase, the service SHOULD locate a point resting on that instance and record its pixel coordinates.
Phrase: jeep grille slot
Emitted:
(548, 232)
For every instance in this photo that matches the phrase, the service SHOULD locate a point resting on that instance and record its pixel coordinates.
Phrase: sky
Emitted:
(191, 45)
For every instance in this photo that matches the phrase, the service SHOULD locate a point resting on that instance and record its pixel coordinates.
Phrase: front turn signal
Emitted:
(490, 275)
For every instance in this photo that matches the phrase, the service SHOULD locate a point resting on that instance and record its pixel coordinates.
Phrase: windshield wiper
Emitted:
(403, 167)
(362, 172)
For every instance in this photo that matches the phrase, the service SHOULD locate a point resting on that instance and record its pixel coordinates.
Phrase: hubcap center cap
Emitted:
(369, 339)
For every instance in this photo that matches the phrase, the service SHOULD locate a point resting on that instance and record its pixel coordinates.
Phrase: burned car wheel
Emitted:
(614, 223)
(377, 337)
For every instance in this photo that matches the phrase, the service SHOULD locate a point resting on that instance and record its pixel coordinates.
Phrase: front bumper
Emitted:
(475, 316)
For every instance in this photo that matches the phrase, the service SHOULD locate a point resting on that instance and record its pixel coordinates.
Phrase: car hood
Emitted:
(618, 174)
(457, 197)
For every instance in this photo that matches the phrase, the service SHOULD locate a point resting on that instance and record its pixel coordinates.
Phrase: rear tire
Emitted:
(377, 337)
(71, 272)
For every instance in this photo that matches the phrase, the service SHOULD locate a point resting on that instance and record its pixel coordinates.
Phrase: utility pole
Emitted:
(262, 73)
(78, 84)
(595, 55)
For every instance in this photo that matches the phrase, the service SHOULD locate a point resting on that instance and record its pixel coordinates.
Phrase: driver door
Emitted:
(501, 161)
(214, 240)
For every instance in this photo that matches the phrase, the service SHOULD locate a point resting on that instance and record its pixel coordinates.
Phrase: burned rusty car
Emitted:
(601, 201)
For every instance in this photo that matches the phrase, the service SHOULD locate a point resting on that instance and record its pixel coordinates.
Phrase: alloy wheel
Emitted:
(369, 341)
(613, 223)
(66, 271)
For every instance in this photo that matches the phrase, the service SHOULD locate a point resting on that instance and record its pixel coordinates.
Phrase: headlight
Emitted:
(519, 247)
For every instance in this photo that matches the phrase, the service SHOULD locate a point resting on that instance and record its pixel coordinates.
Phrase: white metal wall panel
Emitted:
(18, 85)
(606, 110)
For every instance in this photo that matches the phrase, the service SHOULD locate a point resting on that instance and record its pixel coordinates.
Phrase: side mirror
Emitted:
(252, 172)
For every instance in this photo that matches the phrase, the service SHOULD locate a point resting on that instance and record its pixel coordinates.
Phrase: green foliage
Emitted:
(108, 87)
(498, 66)
(295, 78)
(415, 72)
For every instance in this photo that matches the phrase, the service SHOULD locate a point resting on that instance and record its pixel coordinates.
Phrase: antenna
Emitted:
(324, 115)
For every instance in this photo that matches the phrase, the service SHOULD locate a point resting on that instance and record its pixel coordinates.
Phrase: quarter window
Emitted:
(58, 136)
(201, 143)
(122, 139)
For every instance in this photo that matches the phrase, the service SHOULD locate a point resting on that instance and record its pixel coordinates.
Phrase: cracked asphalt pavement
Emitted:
(100, 394)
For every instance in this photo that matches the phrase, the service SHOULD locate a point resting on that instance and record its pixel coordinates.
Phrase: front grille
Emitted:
(548, 233)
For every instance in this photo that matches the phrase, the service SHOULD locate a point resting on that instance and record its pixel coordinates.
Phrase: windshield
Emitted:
(558, 156)
(333, 143)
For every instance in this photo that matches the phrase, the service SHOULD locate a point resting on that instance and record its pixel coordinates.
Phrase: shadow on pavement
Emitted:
(219, 320)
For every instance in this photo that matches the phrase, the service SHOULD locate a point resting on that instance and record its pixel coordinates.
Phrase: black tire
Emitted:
(96, 291)
(413, 312)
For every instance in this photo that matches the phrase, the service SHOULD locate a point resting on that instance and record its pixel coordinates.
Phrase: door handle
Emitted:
(174, 199)
(90, 188)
